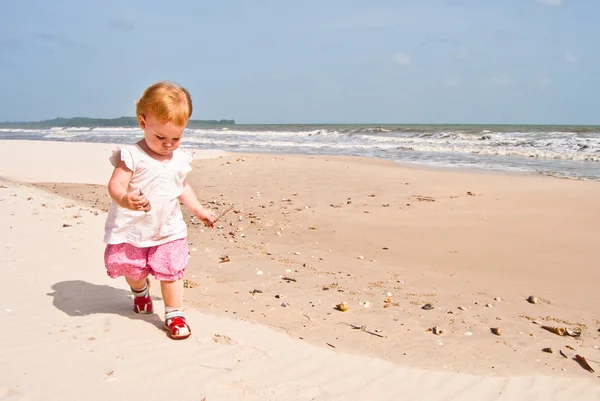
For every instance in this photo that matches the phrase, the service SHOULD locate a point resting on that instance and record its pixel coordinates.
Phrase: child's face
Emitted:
(162, 138)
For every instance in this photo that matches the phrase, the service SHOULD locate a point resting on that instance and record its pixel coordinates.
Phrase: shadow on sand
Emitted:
(80, 298)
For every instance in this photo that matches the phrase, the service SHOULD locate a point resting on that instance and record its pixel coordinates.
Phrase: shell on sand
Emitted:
(497, 331)
(533, 300)
(342, 307)
(584, 364)
(556, 330)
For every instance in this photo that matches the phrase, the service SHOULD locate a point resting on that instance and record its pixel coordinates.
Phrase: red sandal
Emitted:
(143, 304)
(177, 327)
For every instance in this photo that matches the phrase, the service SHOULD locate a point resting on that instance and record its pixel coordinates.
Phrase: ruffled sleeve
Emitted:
(123, 154)
(186, 161)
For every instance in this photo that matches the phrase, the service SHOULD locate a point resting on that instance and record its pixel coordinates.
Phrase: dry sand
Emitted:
(71, 334)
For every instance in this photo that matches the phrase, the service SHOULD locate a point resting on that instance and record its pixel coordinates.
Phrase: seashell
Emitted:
(343, 307)
(533, 300)
(437, 331)
(556, 330)
(497, 331)
(468, 333)
(572, 333)
(388, 300)
(427, 307)
(584, 364)
(285, 304)
(548, 350)
(489, 305)
(462, 308)
(498, 299)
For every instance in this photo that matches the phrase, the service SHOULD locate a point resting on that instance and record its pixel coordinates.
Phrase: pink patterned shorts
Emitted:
(167, 262)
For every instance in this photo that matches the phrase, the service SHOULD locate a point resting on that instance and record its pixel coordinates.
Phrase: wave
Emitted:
(232, 132)
(406, 145)
(570, 151)
(62, 134)
(119, 129)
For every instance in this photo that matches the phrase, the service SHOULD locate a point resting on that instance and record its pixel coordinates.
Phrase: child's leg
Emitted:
(142, 302)
(172, 292)
(137, 285)
(130, 261)
(175, 323)
(168, 262)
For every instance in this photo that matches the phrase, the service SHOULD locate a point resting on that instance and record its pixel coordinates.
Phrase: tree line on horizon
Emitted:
(126, 122)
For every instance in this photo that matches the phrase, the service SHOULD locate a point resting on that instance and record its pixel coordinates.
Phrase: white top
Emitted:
(162, 184)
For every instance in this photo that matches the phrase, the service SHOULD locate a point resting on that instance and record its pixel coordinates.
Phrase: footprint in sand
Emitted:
(11, 394)
(223, 339)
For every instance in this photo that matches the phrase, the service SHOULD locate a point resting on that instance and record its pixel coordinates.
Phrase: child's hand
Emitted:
(135, 200)
(207, 217)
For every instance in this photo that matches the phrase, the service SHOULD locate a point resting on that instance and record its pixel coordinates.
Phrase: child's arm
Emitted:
(117, 188)
(191, 202)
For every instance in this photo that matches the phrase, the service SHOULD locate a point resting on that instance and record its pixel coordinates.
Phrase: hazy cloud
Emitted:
(502, 80)
(13, 44)
(402, 59)
(571, 58)
(433, 40)
(121, 25)
(451, 83)
(554, 3)
(59, 40)
(545, 81)
(366, 19)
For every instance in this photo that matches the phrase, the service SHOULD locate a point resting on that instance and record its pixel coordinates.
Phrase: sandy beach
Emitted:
(407, 249)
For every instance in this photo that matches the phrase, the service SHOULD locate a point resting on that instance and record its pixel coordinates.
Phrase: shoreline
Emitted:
(418, 166)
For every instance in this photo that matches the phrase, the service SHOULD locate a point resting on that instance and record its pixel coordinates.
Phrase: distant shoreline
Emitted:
(98, 123)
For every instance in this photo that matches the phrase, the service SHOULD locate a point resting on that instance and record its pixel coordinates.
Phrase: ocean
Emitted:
(560, 151)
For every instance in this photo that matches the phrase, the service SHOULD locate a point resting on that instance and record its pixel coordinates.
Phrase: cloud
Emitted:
(451, 83)
(502, 80)
(14, 44)
(571, 58)
(54, 39)
(441, 41)
(545, 81)
(553, 3)
(402, 59)
(121, 25)
(367, 18)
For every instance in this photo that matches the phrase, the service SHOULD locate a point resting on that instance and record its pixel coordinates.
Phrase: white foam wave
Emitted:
(410, 144)
(62, 134)
(230, 132)
(78, 129)
(120, 129)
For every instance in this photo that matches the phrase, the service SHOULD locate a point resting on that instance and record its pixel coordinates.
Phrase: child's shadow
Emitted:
(80, 298)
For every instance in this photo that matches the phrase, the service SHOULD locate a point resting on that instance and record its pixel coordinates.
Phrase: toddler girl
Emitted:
(145, 232)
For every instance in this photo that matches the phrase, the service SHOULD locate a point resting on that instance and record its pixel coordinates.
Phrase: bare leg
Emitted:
(172, 292)
(136, 284)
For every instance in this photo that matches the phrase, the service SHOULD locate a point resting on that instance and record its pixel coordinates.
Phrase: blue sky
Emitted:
(310, 61)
